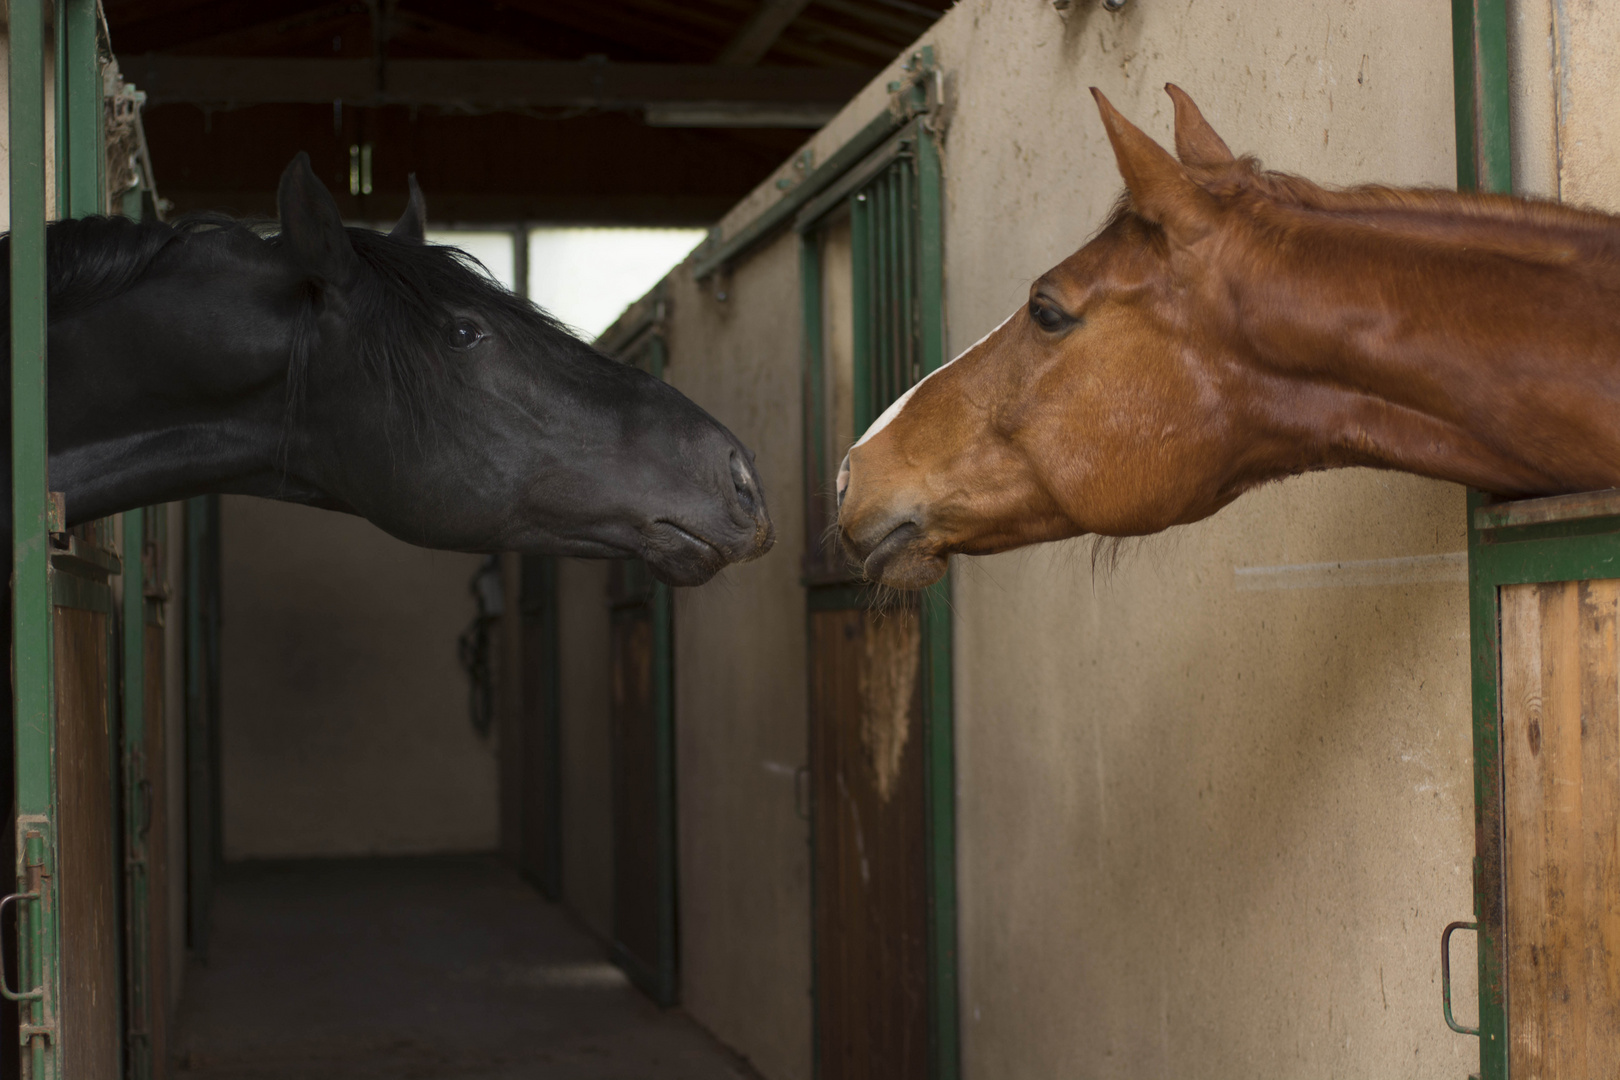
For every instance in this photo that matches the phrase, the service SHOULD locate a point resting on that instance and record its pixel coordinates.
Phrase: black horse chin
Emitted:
(678, 556)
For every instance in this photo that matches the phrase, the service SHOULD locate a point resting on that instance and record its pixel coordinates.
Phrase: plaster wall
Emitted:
(586, 737)
(1566, 78)
(344, 727)
(740, 686)
(1217, 801)
(1214, 804)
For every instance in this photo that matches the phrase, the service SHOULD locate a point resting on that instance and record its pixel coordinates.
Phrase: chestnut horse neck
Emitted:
(1420, 327)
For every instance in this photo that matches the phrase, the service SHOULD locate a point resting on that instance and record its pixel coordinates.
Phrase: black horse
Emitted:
(375, 374)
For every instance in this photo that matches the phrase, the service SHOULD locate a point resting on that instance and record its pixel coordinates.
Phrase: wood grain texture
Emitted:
(1561, 803)
(870, 899)
(89, 915)
(157, 856)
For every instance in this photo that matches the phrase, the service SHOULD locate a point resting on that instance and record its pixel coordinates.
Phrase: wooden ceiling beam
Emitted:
(759, 33)
(484, 84)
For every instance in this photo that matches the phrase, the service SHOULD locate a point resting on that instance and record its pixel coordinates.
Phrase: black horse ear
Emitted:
(412, 223)
(312, 228)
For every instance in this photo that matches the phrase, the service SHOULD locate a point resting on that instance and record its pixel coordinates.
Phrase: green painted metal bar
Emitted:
(38, 916)
(813, 378)
(1481, 95)
(1484, 163)
(861, 313)
(781, 213)
(82, 181)
(938, 643)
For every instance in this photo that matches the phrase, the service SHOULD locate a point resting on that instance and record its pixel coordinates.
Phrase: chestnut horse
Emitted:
(1230, 326)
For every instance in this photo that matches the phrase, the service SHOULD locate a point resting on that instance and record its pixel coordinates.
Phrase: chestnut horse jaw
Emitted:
(1230, 326)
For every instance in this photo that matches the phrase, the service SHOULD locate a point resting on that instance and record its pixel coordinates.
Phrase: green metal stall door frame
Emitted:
(1484, 163)
(888, 182)
(44, 1042)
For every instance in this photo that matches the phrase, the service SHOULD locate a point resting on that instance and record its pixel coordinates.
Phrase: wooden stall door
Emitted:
(89, 794)
(540, 848)
(871, 882)
(643, 783)
(1561, 828)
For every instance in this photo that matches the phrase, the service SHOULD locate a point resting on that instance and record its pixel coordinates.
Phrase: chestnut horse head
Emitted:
(1229, 326)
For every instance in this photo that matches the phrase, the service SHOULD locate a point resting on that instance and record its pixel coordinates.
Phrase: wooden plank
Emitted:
(1577, 507)
(760, 32)
(1561, 772)
(90, 990)
(871, 905)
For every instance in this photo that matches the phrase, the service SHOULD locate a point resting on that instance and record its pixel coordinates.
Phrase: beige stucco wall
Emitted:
(1214, 806)
(344, 727)
(1210, 821)
(586, 738)
(740, 685)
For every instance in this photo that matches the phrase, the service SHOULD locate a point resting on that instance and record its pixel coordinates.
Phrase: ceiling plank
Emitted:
(486, 84)
(760, 32)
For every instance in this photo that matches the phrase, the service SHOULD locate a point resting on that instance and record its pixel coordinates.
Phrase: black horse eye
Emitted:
(1046, 316)
(462, 334)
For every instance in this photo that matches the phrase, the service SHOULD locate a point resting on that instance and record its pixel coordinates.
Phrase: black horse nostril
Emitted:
(743, 481)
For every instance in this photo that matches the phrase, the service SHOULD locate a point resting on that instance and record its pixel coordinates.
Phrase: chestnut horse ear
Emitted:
(1161, 191)
(412, 223)
(1196, 142)
(311, 227)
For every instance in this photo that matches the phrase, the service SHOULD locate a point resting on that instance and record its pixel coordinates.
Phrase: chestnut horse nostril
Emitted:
(843, 481)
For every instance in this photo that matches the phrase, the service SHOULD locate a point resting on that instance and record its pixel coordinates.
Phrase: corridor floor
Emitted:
(418, 969)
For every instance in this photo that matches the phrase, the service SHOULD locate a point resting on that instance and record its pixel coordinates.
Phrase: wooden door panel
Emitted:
(870, 842)
(89, 912)
(1561, 802)
(635, 788)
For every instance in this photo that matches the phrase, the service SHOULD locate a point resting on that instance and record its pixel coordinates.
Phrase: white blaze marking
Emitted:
(894, 410)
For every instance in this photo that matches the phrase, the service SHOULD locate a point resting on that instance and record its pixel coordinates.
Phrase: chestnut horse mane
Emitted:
(1533, 230)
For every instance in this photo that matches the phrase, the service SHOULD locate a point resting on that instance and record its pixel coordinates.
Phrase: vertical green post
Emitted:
(82, 120)
(38, 968)
(1485, 163)
(861, 220)
(937, 629)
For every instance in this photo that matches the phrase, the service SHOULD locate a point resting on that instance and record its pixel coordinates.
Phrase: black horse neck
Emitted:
(168, 357)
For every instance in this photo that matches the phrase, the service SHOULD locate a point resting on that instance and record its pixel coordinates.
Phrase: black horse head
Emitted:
(376, 374)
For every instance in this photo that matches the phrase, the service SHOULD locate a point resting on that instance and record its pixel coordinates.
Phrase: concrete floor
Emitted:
(429, 969)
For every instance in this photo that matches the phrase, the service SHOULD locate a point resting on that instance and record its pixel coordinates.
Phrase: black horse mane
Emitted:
(405, 301)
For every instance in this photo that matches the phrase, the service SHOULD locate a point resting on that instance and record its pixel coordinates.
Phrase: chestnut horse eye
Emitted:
(1046, 316)
(462, 334)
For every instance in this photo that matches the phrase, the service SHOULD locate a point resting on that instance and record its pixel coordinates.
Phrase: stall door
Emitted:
(1546, 606)
(880, 751)
(540, 848)
(643, 712)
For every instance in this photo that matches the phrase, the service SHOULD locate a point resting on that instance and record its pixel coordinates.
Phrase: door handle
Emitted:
(1445, 975)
